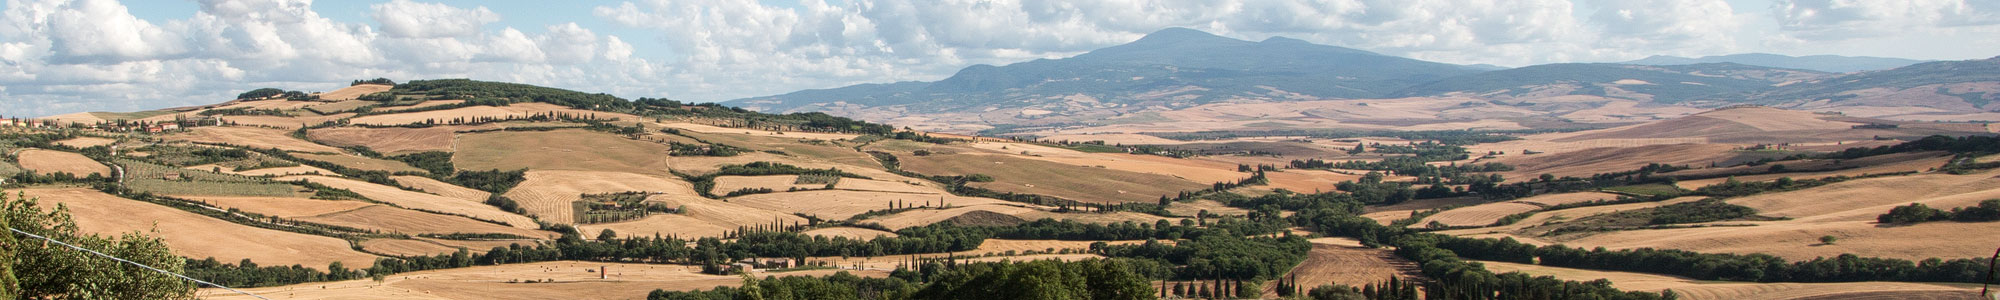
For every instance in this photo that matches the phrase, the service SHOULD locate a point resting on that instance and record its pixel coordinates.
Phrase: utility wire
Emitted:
(135, 263)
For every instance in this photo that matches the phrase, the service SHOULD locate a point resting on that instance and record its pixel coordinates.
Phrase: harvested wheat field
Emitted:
(283, 122)
(361, 163)
(355, 91)
(666, 225)
(1489, 213)
(1700, 290)
(388, 219)
(1191, 208)
(724, 214)
(571, 281)
(283, 207)
(194, 235)
(469, 113)
(51, 161)
(274, 171)
(703, 128)
(253, 137)
(566, 149)
(1478, 215)
(402, 247)
(394, 140)
(841, 204)
(548, 194)
(1583, 163)
(912, 186)
(1032, 176)
(852, 233)
(1551, 217)
(86, 142)
(440, 188)
(1345, 261)
(709, 164)
(417, 200)
(1913, 165)
(780, 183)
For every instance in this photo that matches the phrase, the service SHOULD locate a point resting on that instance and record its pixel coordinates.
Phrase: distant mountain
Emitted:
(1659, 84)
(1822, 63)
(1969, 85)
(1171, 68)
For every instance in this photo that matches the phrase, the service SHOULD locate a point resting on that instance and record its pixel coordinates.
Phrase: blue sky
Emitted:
(62, 56)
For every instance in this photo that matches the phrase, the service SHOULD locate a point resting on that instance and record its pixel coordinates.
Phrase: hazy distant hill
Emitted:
(1175, 67)
(1947, 85)
(1822, 63)
(1660, 84)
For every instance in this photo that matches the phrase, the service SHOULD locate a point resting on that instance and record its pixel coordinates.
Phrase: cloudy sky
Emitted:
(62, 56)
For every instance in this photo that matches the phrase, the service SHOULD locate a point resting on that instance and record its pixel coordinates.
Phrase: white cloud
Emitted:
(406, 19)
(1850, 19)
(59, 56)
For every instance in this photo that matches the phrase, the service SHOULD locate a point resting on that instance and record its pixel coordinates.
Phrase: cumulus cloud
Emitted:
(1850, 19)
(59, 56)
(407, 19)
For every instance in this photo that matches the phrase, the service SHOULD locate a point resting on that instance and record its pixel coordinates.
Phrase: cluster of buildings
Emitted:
(119, 126)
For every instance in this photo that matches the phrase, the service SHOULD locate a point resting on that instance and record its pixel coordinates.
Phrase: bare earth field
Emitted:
(1345, 261)
(1702, 290)
(194, 235)
(51, 161)
(548, 194)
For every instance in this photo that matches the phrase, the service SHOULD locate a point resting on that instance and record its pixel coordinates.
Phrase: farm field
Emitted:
(626, 281)
(469, 113)
(440, 188)
(421, 201)
(1030, 176)
(548, 194)
(401, 247)
(284, 207)
(841, 204)
(1703, 290)
(362, 163)
(283, 122)
(394, 140)
(194, 235)
(854, 233)
(354, 91)
(721, 214)
(396, 220)
(274, 171)
(564, 149)
(260, 138)
(51, 161)
(86, 142)
(1344, 261)
(1914, 165)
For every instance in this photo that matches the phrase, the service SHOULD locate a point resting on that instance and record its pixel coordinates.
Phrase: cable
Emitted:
(135, 263)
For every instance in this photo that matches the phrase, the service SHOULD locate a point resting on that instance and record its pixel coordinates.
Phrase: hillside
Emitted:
(1932, 88)
(439, 185)
(1660, 84)
(1822, 63)
(1170, 68)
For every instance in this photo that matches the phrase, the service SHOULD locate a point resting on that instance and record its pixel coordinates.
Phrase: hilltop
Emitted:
(1822, 63)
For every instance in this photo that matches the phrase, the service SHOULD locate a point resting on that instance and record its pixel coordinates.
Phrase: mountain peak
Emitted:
(1178, 34)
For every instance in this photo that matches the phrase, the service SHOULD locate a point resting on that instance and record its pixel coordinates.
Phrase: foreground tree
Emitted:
(61, 272)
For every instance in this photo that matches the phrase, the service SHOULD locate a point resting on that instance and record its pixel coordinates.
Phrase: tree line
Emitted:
(1985, 211)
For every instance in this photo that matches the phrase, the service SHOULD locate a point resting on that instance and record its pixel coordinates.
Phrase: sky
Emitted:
(65, 56)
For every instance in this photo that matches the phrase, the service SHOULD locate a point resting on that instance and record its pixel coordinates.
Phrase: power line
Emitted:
(135, 263)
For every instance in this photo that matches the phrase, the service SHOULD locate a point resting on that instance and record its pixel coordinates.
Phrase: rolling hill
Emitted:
(1174, 67)
(1661, 84)
(1822, 63)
